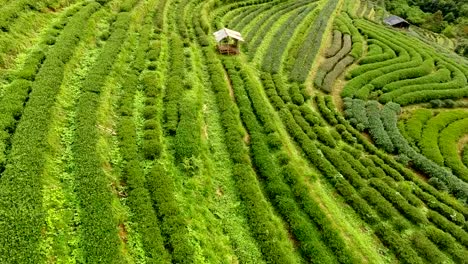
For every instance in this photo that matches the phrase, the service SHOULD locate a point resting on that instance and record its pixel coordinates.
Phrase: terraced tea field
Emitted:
(125, 137)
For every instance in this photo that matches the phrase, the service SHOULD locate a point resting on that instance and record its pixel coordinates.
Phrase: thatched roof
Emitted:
(225, 32)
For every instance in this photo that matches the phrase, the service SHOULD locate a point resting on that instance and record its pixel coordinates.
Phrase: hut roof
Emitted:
(225, 32)
(394, 20)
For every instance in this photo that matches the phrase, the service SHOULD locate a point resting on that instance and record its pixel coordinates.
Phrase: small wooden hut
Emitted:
(396, 21)
(228, 41)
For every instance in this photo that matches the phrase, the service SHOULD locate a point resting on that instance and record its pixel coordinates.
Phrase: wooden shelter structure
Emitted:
(228, 41)
(396, 21)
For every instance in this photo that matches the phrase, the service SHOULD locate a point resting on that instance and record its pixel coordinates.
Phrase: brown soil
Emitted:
(123, 234)
(247, 138)
(231, 90)
(461, 143)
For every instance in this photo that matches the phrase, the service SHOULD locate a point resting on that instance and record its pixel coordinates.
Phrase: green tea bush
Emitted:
(448, 139)
(447, 226)
(411, 212)
(429, 143)
(447, 243)
(20, 231)
(336, 44)
(427, 249)
(403, 250)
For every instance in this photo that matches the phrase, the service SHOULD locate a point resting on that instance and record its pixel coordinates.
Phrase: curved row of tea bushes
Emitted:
(16, 93)
(273, 58)
(99, 230)
(280, 194)
(260, 29)
(429, 143)
(138, 198)
(440, 76)
(336, 44)
(338, 70)
(307, 52)
(384, 52)
(272, 241)
(414, 125)
(21, 202)
(448, 140)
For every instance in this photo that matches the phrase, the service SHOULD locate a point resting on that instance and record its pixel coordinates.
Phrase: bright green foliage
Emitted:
(21, 204)
(175, 84)
(100, 236)
(429, 143)
(415, 124)
(188, 133)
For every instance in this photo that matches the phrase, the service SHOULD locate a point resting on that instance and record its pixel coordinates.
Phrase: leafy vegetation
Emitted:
(125, 137)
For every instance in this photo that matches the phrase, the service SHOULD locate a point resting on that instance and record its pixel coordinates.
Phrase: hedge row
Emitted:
(100, 238)
(291, 175)
(428, 95)
(357, 39)
(427, 249)
(307, 52)
(11, 109)
(357, 83)
(384, 52)
(13, 9)
(261, 28)
(464, 155)
(448, 140)
(441, 208)
(414, 125)
(440, 76)
(138, 199)
(175, 83)
(16, 93)
(330, 63)
(343, 167)
(403, 250)
(273, 243)
(376, 127)
(327, 114)
(381, 205)
(447, 243)
(271, 91)
(409, 73)
(188, 133)
(447, 226)
(374, 49)
(21, 202)
(457, 187)
(339, 68)
(151, 145)
(411, 212)
(158, 18)
(355, 111)
(328, 232)
(173, 224)
(251, 14)
(457, 82)
(429, 143)
(336, 44)
(273, 58)
(279, 192)
(399, 142)
(312, 153)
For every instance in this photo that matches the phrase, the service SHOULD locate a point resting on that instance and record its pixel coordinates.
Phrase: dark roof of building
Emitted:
(394, 20)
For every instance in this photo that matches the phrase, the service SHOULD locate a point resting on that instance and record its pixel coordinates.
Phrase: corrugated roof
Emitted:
(225, 32)
(393, 20)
